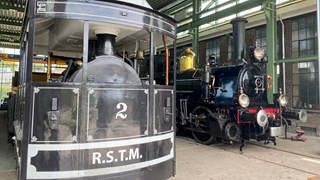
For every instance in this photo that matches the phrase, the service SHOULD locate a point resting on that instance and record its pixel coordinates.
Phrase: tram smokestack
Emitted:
(239, 43)
(105, 44)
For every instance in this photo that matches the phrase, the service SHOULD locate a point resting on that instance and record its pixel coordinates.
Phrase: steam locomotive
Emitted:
(98, 121)
(230, 102)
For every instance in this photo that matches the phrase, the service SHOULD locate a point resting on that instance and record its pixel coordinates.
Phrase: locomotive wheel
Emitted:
(200, 125)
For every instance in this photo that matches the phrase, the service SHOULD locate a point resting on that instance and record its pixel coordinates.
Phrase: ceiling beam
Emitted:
(10, 46)
(9, 33)
(7, 41)
(8, 7)
(11, 23)
(178, 7)
(221, 14)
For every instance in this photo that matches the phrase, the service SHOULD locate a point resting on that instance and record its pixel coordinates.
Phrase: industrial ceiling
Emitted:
(11, 16)
(12, 13)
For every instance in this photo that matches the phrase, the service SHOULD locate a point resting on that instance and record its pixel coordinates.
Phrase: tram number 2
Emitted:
(123, 108)
(116, 156)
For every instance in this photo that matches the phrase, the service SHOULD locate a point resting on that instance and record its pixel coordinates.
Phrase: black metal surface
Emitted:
(106, 119)
(105, 44)
(163, 110)
(67, 105)
(239, 43)
(108, 69)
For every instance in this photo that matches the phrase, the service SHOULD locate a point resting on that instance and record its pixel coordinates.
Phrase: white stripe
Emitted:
(34, 148)
(32, 174)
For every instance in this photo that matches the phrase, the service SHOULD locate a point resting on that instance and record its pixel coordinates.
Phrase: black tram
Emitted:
(100, 119)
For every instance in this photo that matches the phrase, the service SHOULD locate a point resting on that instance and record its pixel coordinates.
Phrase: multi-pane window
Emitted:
(230, 48)
(304, 36)
(261, 37)
(305, 81)
(38, 67)
(213, 47)
(305, 85)
(7, 71)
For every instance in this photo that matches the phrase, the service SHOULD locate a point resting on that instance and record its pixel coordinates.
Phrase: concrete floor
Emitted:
(288, 160)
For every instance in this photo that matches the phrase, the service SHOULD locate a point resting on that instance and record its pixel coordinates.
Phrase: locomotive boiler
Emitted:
(230, 102)
(99, 120)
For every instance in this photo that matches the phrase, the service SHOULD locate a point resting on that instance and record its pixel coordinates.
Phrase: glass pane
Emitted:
(263, 42)
(295, 79)
(311, 66)
(295, 46)
(296, 102)
(310, 32)
(295, 68)
(294, 25)
(303, 79)
(303, 45)
(303, 53)
(310, 44)
(302, 23)
(295, 36)
(310, 22)
(294, 54)
(302, 34)
(295, 90)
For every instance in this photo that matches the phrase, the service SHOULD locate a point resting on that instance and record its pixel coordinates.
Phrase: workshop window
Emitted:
(305, 85)
(230, 48)
(305, 79)
(261, 38)
(7, 70)
(213, 47)
(304, 36)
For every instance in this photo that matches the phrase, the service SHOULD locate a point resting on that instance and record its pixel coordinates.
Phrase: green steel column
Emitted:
(269, 7)
(195, 31)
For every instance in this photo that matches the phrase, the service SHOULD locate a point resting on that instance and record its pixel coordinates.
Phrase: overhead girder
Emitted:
(9, 46)
(220, 14)
(178, 7)
(194, 32)
(9, 33)
(9, 41)
(8, 7)
(11, 23)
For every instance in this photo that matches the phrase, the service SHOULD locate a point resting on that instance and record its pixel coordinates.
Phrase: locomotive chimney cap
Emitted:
(238, 19)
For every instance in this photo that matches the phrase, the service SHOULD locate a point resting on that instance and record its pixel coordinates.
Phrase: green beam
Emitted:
(178, 7)
(6, 40)
(9, 33)
(300, 59)
(10, 23)
(221, 14)
(10, 46)
(195, 31)
(271, 17)
(7, 7)
(210, 4)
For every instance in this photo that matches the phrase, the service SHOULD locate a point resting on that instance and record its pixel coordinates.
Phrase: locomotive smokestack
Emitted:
(239, 44)
(105, 44)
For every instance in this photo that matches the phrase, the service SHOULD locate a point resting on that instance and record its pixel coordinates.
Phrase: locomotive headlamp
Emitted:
(283, 100)
(258, 53)
(244, 100)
